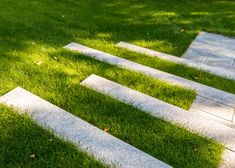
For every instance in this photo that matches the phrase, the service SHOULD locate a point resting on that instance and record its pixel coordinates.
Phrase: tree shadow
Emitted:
(147, 21)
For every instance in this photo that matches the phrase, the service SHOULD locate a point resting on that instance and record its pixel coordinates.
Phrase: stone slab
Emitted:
(196, 62)
(234, 117)
(228, 160)
(160, 109)
(197, 50)
(223, 63)
(87, 137)
(224, 53)
(212, 117)
(215, 40)
(213, 46)
(199, 59)
(214, 108)
(202, 90)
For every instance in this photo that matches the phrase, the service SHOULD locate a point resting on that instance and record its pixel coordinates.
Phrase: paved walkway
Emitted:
(210, 106)
(216, 70)
(214, 50)
(219, 103)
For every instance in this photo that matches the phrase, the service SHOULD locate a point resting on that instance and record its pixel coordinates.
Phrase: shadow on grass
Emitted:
(24, 144)
(121, 20)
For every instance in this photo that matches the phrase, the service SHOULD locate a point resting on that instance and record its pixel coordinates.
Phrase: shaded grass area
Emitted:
(32, 33)
(26, 145)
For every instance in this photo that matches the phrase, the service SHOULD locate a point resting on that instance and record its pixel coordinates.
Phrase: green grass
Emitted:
(26, 145)
(32, 34)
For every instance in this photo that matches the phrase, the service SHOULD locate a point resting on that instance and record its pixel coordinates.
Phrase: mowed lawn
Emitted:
(32, 36)
(24, 144)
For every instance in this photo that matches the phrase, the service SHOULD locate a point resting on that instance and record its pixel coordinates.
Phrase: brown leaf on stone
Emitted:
(106, 129)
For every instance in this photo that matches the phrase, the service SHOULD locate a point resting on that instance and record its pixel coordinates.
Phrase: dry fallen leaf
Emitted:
(32, 156)
(39, 63)
(196, 77)
(106, 129)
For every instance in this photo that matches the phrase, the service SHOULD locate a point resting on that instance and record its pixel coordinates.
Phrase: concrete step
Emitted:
(85, 136)
(191, 121)
(214, 50)
(217, 109)
(197, 62)
(223, 102)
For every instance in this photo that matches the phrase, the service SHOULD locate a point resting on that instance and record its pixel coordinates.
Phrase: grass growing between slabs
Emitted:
(57, 79)
(32, 34)
(166, 26)
(183, 71)
(26, 145)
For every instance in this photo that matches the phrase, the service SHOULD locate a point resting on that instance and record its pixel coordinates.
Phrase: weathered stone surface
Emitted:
(197, 62)
(228, 160)
(226, 63)
(87, 137)
(212, 117)
(219, 49)
(212, 107)
(199, 59)
(216, 40)
(160, 109)
(202, 90)
(224, 53)
(234, 117)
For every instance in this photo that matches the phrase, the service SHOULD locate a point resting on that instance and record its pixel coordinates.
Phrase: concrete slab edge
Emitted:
(191, 121)
(202, 90)
(87, 137)
(214, 70)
